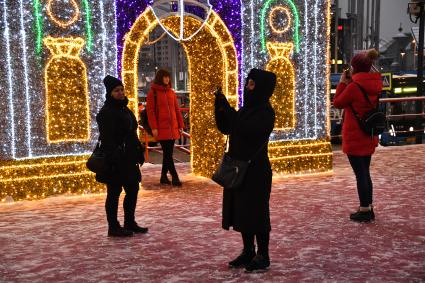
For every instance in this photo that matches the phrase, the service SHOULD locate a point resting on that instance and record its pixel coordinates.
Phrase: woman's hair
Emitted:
(160, 75)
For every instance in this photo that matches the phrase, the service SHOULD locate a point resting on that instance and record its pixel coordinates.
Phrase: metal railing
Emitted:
(185, 136)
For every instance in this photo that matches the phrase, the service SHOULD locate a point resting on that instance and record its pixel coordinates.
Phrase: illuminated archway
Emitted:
(212, 62)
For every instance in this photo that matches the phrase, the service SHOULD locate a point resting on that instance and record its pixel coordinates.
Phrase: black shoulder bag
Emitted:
(374, 121)
(144, 117)
(231, 172)
(97, 162)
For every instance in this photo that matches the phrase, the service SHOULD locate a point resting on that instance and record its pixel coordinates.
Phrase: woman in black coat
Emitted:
(246, 209)
(124, 153)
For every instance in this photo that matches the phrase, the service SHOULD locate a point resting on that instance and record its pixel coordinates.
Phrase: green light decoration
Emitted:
(263, 19)
(38, 27)
(89, 33)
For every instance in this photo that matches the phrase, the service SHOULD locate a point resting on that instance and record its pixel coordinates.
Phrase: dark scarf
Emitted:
(110, 101)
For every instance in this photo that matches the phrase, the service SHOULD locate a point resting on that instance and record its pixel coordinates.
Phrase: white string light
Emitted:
(9, 78)
(102, 22)
(27, 96)
(181, 14)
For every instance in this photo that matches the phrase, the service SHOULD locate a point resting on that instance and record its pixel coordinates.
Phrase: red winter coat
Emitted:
(354, 140)
(165, 116)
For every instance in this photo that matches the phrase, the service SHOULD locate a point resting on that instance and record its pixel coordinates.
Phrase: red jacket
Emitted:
(354, 140)
(165, 116)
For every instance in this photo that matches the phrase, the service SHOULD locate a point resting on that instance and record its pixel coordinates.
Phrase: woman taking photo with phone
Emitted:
(358, 93)
(246, 208)
(166, 122)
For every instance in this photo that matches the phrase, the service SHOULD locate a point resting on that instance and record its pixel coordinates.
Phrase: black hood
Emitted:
(265, 83)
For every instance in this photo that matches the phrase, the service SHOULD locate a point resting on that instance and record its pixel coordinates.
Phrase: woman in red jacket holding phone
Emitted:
(166, 122)
(358, 145)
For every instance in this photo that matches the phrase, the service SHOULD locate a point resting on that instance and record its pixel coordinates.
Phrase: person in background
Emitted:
(358, 145)
(166, 122)
(124, 153)
(246, 209)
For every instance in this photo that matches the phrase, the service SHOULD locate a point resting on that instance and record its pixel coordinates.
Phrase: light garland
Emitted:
(12, 134)
(39, 26)
(263, 20)
(283, 99)
(66, 84)
(211, 54)
(42, 177)
(59, 22)
(273, 15)
(89, 32)
(26, 79)
(70, 24)
(301, 157)
(181, 14)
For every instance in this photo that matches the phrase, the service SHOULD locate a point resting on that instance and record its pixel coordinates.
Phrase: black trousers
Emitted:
(262, 242)
(167, 158)
(361, 168)
(130, 201)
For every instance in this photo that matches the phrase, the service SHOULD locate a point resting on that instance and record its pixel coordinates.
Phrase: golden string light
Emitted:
(42, 177)
(272, 15)
(212, 62)
(283, 99)
(67, 95)
(59, 22)
(301, 157)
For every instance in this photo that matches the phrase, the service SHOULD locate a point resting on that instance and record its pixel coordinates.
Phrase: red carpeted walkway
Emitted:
(64, 238)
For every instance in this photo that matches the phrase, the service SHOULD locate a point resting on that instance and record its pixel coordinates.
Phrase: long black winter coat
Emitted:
(118, 136)
(247, 208)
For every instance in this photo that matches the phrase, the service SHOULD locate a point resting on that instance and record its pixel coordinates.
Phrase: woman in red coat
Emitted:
(166, 122)
(358, 145)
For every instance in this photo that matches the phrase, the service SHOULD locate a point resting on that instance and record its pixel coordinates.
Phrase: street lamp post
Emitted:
(402, 53)
(417, 9)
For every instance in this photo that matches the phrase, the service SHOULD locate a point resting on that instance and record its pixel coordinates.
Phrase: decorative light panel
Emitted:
(84, 40)
(54, 55)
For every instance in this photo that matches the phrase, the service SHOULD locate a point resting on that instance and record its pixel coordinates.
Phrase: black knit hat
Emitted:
(110, 83)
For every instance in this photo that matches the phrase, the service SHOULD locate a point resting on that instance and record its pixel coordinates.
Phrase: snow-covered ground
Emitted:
(64, 238)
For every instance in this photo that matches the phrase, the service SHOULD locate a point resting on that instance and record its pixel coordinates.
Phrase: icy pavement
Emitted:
(64, 238)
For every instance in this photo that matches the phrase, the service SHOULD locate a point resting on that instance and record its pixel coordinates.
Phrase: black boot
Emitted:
(175, 181)
(119, 232)
(372, 214)
(362, 216)
(259, 263)
(136, 228)
(164, 180)
(243, 259)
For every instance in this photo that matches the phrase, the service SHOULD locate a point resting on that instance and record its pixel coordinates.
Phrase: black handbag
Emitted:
(374, 121)
(144, 121)
(231, 172)
(97, 162)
